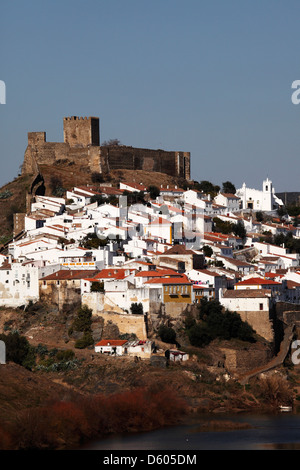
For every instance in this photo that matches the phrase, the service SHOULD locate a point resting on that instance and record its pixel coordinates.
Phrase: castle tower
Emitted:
(81, 131)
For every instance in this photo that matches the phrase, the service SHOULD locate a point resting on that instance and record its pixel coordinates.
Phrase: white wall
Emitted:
(18, 285)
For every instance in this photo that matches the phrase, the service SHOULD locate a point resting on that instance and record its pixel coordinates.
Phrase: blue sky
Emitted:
(212, 77)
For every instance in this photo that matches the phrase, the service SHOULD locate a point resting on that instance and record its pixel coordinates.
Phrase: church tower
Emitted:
(267, 199)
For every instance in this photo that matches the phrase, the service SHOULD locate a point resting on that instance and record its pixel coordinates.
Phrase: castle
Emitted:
(81, 146)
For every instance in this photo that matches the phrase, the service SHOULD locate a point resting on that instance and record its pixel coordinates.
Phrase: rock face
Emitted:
(81, 146)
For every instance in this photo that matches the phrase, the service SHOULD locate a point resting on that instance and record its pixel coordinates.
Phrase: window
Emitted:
(261, 306)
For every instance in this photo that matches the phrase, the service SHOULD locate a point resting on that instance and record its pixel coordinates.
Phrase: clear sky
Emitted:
(212, 77)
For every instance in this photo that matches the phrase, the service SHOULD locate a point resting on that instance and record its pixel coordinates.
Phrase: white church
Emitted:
(265, 200)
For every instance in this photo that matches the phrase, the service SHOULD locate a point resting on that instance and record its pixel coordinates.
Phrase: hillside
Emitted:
(13, 198)
(180, 390)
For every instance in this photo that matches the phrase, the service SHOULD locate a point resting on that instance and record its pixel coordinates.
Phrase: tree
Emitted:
(134, 197)
(167, 334)
(85, 341)
(207, 250)
(56, 186)
(99, 199)
(83, 321)
(18, 349)
(111, 142)
(213, 322)
(91, 241)
(97, 286)
(207, 187)
(154, 191)
(239, 230)
(259, 216)
(199, 336)
(221, 226)
(228, 188)
(97, 177)
(137, 309)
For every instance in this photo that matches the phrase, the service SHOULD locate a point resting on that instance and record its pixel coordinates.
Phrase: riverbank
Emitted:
(59, 405)
(260, 432)
(106, 397)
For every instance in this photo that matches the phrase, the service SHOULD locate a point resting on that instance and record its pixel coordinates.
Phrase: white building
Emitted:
(264, 200)
(18, 285)
(230, 201)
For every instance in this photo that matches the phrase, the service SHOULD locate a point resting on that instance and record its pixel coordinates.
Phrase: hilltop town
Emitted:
(139, 260)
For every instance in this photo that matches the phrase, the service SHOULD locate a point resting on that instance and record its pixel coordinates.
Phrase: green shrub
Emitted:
(167, 334)
(83, 321)
(85, 341)
(214, 322)
(18, 349)
(137, 309)
(66, 355)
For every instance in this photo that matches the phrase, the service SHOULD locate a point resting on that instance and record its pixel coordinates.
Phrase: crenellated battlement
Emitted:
(78, 118)
(81, 145)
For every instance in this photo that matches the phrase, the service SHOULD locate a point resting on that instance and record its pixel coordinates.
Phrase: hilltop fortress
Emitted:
(82, 147)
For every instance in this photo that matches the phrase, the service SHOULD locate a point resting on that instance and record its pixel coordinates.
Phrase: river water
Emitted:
(266, 432)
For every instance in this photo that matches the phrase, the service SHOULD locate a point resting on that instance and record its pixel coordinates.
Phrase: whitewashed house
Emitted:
(18, 285)
(111, 347)
(230, 201)
(160, 228)
(54, 204)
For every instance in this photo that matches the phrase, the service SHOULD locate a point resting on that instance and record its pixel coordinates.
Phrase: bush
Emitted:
(199, 336)
(66, 355)
(137, 309)
(215, 323)
(85, 341)
(83, 321)
(18, 349)
(153, 191)
(97, 177)
(97, 286)
(67, 424)
(167, 334)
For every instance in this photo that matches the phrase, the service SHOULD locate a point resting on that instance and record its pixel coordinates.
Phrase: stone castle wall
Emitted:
(82, 146)
(260, 321)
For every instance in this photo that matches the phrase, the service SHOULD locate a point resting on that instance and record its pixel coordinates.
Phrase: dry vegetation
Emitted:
(68, 423)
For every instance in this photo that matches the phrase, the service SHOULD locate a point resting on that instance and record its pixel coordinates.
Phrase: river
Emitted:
(266, 432)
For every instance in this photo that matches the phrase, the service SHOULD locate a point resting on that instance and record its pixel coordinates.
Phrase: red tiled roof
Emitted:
(68, 274)
(292, 284)
(169, 280)
(113, 273)
(159, 273)
(112, 342)
(160, 221)
(138, 186)
(255, 281)
(179, 250)
(246, 293)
